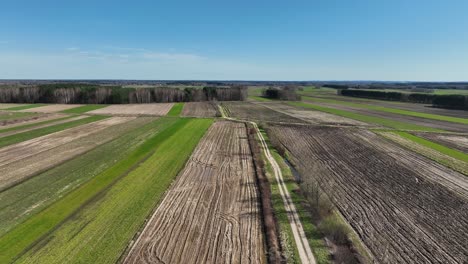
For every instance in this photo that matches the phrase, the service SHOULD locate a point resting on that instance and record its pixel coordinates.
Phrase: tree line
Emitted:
(441, 101)
(74, 93)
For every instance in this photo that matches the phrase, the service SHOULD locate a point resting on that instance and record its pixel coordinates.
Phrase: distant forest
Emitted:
(85, 93)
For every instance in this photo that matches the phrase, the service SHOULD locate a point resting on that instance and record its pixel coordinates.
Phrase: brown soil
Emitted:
(41, 126)
(5, 106)
(135, 109)
(256, 112)
(51, 108)
(31, 120)
(200, 109)
(405, 207)
(23, 160)
(211, 214)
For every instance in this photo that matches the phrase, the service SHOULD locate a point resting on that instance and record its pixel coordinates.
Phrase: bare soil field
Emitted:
(458, 142)
(4, 134)
(211, 213)
(51, 108)
(23, 160)
(255, 112)
(311, 116)
(405, 207)
(200, 109)
(31, 120)
(160, 109)
(443, 125)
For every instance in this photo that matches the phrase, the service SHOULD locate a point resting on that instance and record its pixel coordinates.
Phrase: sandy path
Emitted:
(211, 214)
(160, 109)
(51, 108)
(41, 126)
(21, 160)
(5, 106)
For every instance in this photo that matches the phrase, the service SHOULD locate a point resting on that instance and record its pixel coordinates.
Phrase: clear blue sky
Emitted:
(236, 40)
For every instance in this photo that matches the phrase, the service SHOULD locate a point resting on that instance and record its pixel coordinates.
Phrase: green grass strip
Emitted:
(397, 111)
(83, 109)
(19, 239)
(435, 146)
(365, 118)
(108, 224)
(16, 138)
(15, 115)
(176, 109)
(23, 107)
(34, 124)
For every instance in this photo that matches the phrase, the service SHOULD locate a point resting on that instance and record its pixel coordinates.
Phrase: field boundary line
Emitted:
(302, 244)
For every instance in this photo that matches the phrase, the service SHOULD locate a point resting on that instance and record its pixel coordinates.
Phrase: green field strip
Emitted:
(365, 118)
(20, 137)
(26, 126)
(83, 109)
(26, 199)
(315, 239)
(109, 223)
(396, 111)
(5, 116)
(25, 235)
(435, 146)
(24, 107)
(176, 110)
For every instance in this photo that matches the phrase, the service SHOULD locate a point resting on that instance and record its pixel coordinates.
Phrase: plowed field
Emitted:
(405, 207)
(200, 109)
(135, 109)
(211, 212)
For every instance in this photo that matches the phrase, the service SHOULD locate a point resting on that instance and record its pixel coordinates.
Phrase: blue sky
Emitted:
(235, 40)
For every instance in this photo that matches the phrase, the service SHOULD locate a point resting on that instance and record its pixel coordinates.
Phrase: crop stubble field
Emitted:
(211, 212)
(200, 109)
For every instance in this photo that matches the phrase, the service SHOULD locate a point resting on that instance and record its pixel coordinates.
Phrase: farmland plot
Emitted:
(311, 116)
(160, 109)
(200, 109)
(256, 112)
(29, 121)
(459, 142)
(5, 106)
(29, 126)
(211, 213)
(405, 207)
(51, 108)
(24, 159)
(8, 118)
(25, 199)
(437, 124)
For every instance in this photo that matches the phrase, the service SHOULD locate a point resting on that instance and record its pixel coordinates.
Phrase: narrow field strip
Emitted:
(108, 222)
(7, 116)
(52, 108)
(176, 110)
(200, 109)
(26, 199)
(83, 109)
(34, 123)
(45, 221)
(365, 118)
(451, 158)
(29, 127)
(213, 202)
(23, 107)
(9, 105)
(395, 111)
(16, 138)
